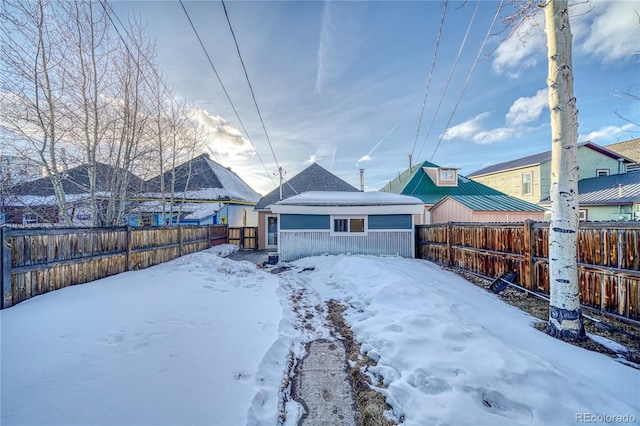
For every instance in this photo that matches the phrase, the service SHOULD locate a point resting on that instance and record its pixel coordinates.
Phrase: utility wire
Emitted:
(455, 64)
(433, 64)
(466, 83)
(224, 89)
(249, 83)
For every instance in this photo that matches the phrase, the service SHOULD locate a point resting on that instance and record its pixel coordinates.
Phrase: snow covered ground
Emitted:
(204, 340)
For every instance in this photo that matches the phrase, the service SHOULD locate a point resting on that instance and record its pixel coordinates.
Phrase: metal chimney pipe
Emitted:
(362, 180)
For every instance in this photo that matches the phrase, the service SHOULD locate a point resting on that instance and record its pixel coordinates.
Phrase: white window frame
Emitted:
(583, 215)
(530, 191)
(29, 218)
(602, 172)
(348, 218)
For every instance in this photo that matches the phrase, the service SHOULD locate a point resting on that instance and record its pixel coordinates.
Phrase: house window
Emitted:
(447, 175)
(29, 218)
(527, 183)
(349, 225)
(602, 172)
(582, 215)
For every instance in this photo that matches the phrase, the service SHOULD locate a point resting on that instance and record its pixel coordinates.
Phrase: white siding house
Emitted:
(328, 222)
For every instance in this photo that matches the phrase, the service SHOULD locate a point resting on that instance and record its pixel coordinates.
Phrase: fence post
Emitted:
(449, 250)
(6, 296)
(179, 240)
(527, 280)
(129, 244)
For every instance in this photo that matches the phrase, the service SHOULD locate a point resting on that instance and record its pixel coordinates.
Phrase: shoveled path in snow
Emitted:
(320, 383)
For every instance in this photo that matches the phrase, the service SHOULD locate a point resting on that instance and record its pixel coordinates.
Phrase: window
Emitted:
(582, 215)
(29, 218)
(602, 172)
(527, 183)
(349, 225)
(447, 175)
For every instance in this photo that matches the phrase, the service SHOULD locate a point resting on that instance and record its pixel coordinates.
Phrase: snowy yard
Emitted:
(204, 340)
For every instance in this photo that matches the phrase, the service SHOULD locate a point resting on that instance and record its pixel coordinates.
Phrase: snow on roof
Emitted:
(232, 184)
(203, 194)
(341, 198)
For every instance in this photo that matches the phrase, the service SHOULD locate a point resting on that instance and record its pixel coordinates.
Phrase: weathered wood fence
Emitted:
(246, 237)
(35, 261)
(608, 257)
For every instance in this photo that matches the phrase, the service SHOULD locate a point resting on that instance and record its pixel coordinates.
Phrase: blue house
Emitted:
(338, 222)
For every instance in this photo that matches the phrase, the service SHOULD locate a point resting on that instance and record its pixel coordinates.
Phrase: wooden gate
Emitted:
(244, 237)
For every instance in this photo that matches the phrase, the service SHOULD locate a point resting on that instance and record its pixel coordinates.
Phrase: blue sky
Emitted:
(343, 83)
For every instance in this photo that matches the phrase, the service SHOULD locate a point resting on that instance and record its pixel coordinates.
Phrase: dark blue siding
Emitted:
(304, 221)
(390, 221)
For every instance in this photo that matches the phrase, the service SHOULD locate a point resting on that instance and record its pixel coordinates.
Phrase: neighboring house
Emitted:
(438, 188)
(204, 192)
(608, 198)
(629, 149)
(529, 178)
(484, 208)
(327, 222)
(35, 202)
(313, 178)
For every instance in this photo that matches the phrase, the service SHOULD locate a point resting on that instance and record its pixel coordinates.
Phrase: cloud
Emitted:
(340, 41)
(523, 49)
(523, 111)
(609, 31)
(495, 135)
(610, 133)
(312, 159)
(466, 130)
(526, 110)
(364, 158)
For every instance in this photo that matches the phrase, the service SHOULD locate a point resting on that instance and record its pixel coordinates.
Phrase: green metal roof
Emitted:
(417, 183)
(496, 203)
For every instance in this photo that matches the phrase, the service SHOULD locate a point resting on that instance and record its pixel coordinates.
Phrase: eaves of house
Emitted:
(541, 158)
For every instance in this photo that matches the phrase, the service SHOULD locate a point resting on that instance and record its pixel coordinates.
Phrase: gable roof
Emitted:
(76, 181)
(495, 203)
(540, 158)
(630, 149)
(313, 178)
(203, 178)
(417, 183)
(608, 190)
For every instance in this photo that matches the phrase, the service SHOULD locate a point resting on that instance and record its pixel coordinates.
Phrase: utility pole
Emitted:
(565, 314)
(281, 173)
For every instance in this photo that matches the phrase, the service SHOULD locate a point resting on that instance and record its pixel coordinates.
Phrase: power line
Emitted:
(224, 89)
(433, 64)
(455, 64)
(249, 83)
(466, 83)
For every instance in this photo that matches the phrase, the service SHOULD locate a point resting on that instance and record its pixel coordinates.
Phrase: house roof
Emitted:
(417, 183)
(608, 190)
(203, 178)
(313, 178)
(76, 181)
(540, 158)
(495, 203)
(629, 149)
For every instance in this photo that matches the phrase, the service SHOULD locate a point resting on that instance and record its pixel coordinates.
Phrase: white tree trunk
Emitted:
(565, 315)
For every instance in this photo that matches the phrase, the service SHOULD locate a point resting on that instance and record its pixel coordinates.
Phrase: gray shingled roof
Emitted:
(543, 157)
(76, 181)
(313, 178)
(200, 174)
(614, 189)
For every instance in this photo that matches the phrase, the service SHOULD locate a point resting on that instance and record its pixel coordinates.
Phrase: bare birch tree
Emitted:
(565, 314)
(34, 87)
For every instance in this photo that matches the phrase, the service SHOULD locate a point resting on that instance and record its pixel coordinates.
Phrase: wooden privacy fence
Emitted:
(35, 261)
(246, 237)
(608, 257)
